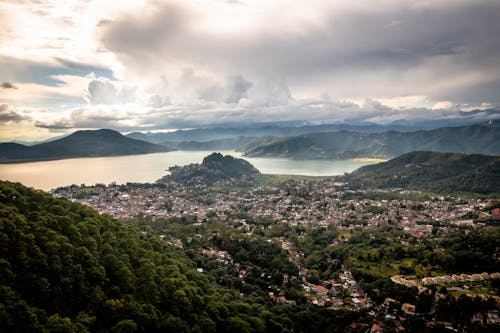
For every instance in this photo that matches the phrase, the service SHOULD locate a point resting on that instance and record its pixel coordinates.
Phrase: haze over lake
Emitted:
(150, 167)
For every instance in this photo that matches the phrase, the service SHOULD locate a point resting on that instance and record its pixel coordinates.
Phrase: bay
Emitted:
(148, 168)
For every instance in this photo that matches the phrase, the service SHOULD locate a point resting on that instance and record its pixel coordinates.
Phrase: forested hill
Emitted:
(214, 168)
(64, 268)
(438, 172)
(480, 138)
(102, 142)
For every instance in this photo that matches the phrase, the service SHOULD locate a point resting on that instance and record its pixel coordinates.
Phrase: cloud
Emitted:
(7, 85)
(447, 105)
(408, 48)
(104, 91)
(119, 117)
(9, 115)
(134, 117)
(43, 72)
(54, 125)
(237, 89)
(178, 64)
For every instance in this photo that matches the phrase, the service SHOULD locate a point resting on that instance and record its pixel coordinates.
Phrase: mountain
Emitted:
(220, 133)
(431, 171)
(214, 168)
(102, 142)
(480, 138)
(289, 129)
(240, 143)
(32, 143)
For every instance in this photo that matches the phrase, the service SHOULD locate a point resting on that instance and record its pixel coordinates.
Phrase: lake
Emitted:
(150, 167)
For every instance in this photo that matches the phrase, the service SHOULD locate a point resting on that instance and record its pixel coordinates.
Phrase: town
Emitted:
(308, 204)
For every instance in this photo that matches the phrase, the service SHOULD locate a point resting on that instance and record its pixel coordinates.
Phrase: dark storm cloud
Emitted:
(238, 88)
(7, 85)
(54, 126)
(143, 36)
(9, 114)
(475, 94)
(355, 42)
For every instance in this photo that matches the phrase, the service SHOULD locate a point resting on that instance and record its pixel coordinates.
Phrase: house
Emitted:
(321, 289)
(376, 328)
(408, 308)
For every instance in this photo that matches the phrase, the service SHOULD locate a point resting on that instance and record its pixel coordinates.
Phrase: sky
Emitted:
(146, 65)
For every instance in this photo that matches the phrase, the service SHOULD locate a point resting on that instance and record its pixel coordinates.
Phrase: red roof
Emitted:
(376, 328)
(321, 289)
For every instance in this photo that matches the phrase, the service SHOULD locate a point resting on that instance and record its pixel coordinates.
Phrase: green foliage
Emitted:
(214, 168)
(65, 268)
(346, 144)
(430, 171)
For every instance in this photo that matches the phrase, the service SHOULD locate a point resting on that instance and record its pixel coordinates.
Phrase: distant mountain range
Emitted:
(79, 144)
(289, 129)
(481, 138)
(221, 133)
(240, 143)
(431, 171)
(339, 141)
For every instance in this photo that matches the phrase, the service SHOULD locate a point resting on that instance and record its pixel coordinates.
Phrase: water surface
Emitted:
(147, 168)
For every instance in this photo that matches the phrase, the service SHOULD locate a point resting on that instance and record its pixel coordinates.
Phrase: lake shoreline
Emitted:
(147, 168)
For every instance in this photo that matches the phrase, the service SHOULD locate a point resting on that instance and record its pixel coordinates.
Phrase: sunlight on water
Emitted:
(150, 167)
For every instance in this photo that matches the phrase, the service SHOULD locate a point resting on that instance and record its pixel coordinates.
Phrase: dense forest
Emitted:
(64, 268)
(432, 171)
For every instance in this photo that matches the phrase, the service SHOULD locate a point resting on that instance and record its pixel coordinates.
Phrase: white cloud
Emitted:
(182, 63)
(446, 105)
(102, 91)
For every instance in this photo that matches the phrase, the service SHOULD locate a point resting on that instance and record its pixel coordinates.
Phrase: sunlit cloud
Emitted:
(151, 64)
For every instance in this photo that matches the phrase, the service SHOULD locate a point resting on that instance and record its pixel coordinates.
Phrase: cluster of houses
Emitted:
(306, 203)
(443, 279)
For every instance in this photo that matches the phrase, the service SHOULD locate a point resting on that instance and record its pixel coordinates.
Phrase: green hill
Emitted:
(102, 142)
(65, 268)
(431, 171)
(481, 138)
(214, 168)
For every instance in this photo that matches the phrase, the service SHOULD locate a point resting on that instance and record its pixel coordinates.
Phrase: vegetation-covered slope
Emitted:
(214, 168)
(64, 268)
(439, 172)
(480, 138)
(79, 144)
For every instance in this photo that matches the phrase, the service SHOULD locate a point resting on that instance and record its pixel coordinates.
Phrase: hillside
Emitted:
(79, 144)
(431, 171)
(258, 131)
(481, 138)
(214, 168)
(290, 129)
(239, 143)
(65, 268)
